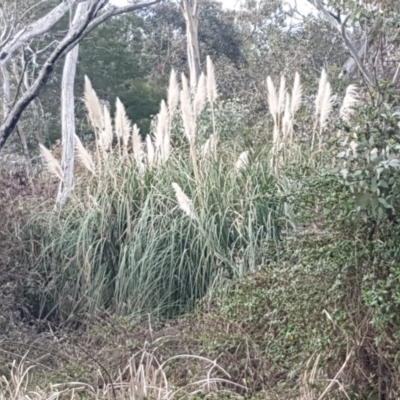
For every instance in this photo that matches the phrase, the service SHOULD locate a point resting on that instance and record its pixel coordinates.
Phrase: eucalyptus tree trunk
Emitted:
(6, 109)
(68, 114)
(190, 9)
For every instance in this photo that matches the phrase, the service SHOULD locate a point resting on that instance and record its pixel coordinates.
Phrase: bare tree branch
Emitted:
(77, 32)
(33, 30)
(355, 55)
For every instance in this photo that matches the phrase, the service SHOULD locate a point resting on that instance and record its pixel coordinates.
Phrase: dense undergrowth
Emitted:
(271, 274)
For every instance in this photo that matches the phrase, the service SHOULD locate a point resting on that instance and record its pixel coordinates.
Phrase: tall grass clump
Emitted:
(151, 228)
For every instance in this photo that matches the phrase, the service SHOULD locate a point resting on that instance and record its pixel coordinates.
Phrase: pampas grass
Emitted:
(297, 95)
(321, 93)
(150, 151)
(161, 135)
(52, 164)
(83, 155)
(93, 105)
(282, 95)
(274, 104)
(349, 101)
(107, 134)
(272, 100)
(323, 106)
(189, 124)
(242, 162)
(122, 127)
(137, 147)
(287, 117)
(207, 149)
(173, 93)
(326, 106)
(212, 96)
(185, 204)
(200, 97)
(186, 107)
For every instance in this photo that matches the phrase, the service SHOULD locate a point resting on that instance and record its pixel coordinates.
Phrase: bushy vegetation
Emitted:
(154, 230)
(227, 250)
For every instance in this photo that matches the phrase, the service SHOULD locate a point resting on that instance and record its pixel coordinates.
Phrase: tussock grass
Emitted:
(144, 377)
(125, 244)
(151, 232)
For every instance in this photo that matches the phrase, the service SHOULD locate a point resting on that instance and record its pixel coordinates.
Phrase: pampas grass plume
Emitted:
(83, 155)
(208, 147)
(286, 120)
(297, 94)
(321, 93)
(52, 164)
(93, 105)
(186, 106)
(137, 145)
(242, 162)
(350, 99)
(107, 134)
(282, 95)
(161, 133)
(326, 105)
(150, 150)
(200, 97)
(122, 125)
(272, 98)
(173, 93)
(185, 204)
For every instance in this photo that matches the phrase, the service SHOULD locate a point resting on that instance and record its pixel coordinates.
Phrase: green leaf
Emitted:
(374, 184)
(383, 183)
(394, 163)
(384, 202)
(362, 199)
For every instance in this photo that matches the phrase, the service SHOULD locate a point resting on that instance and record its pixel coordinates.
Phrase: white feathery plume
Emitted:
(166, 146)
(137, 145)
(161, 134)
(242, 162)
(282, 95)
(150, 150)
(93, 105)
(83, 155)
(287, 116)
(200, 97)
(321, 93)
(207, 148)
(350, 99)
(186, 106)
(122, 126)
(185, 204)
(326, 105)
(107, 134)
(52, 164)
(173, 93)
(297, 94)
(211, 81)
(272, 98)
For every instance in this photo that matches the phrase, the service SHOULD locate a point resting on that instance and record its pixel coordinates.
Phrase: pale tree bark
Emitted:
(190, 9)
(68, 114)
(37, 28)
(95, 15)
(6, 109)
(357, 48)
